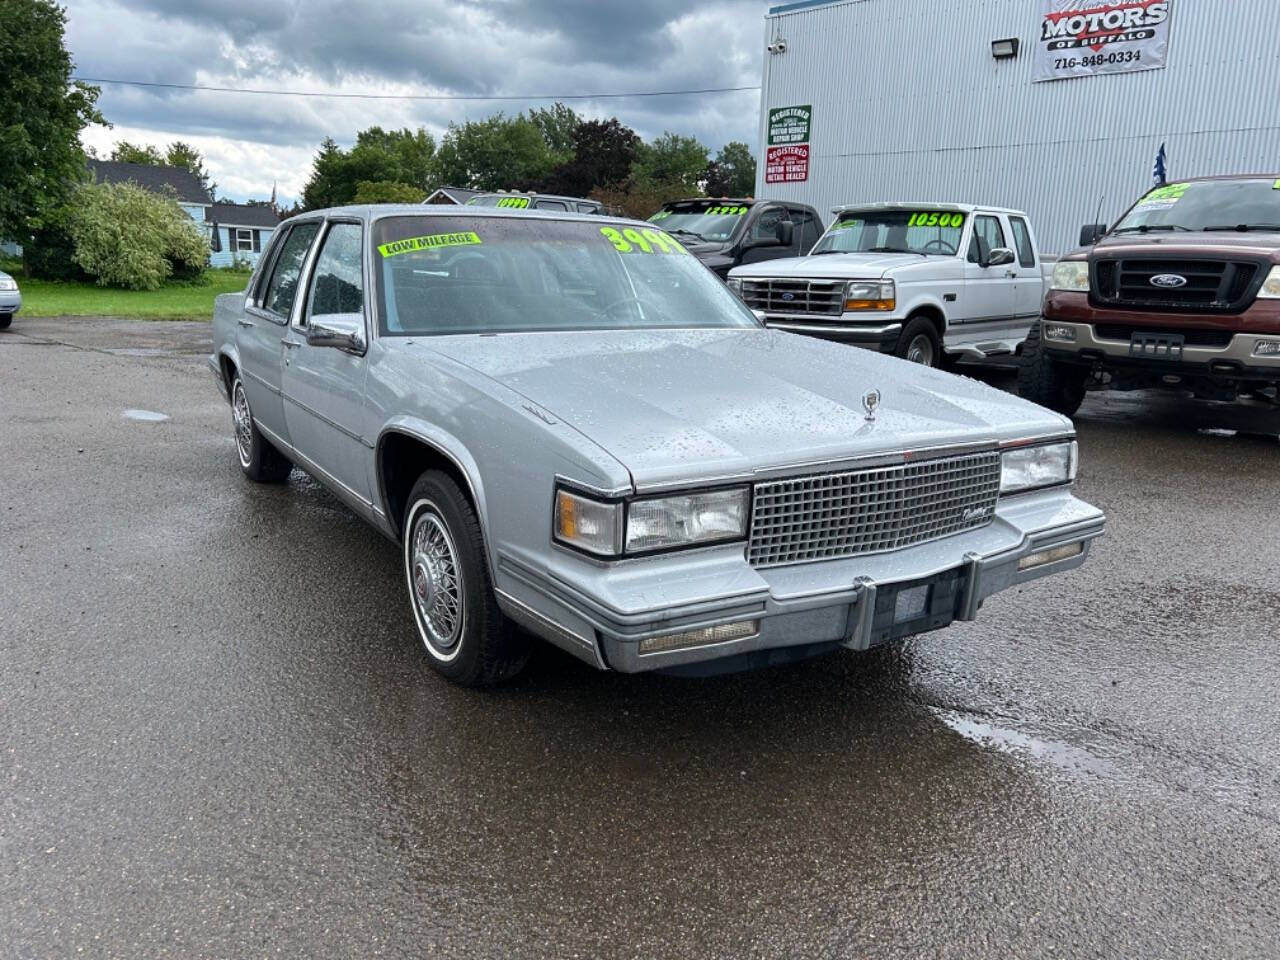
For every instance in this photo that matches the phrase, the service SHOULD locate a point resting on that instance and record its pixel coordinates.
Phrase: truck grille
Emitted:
(814, 297)
(833, 515)
(1212, 286)
(1191, 338)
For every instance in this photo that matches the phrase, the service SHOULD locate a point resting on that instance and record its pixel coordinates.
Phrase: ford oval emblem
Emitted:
(788, 297)
(1168, 280)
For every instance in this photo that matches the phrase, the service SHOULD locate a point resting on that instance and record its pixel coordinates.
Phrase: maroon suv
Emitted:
(1182, 293)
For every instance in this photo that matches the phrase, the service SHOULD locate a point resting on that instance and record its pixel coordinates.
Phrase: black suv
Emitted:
(726, 233)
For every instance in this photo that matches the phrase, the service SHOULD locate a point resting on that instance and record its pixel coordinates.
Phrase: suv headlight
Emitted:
(1271, 286)
(653, 523)
(1033, 467)
(878, 295)
(1072, 275)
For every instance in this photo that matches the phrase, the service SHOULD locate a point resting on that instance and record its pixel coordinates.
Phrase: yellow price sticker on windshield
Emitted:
(726, 211)
(936, 218)
(631, 240)
(433, 242)
(515, 203)
(1276, 186)
(1165, 196)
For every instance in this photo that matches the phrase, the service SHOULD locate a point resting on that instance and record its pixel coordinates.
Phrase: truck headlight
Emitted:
(713, 516)
(1072, 275)
(878, 295)
(1032, 467)
(1271, 286)
(734, 284)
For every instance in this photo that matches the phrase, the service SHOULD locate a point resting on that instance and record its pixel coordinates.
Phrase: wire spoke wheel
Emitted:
(243, 421)
(437, 585)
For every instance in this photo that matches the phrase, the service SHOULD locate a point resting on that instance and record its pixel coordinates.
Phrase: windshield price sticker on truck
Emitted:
(632, 240)
(1164, 197)
(516, 203)
(433, 242)
(726, 211)
(938, 218)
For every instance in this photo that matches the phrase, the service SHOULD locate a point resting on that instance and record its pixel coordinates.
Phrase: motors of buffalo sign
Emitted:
(1080, 38)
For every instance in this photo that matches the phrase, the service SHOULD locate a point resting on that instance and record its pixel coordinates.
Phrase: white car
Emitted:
(10, 299)
(929, 282)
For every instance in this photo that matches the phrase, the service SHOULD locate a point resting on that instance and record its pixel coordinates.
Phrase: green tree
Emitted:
(125, 236)
(559, 126)
(387, 191)
(378, 156)
(499, 153)
(733, 172)
(673, 159)
(180, 154)
(42, 112)
(144, 153)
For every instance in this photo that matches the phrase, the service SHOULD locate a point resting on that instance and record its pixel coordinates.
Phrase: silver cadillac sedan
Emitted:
(574, 431)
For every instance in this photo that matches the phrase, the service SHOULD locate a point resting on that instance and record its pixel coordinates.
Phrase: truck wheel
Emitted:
(919, 343)
(260, 461)
(5, 320)
(464, 633)
(1043, 380)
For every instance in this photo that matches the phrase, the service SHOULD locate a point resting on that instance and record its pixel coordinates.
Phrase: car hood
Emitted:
(1186, 244)
(835, 266)
(689, 405)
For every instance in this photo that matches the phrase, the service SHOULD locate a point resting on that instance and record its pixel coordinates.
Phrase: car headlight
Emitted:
(1072, 275)
(734, 284)
(1271, 286)
(612, 529)
(712, 516)
(8, 283)
(1032, 467)
(876, 295)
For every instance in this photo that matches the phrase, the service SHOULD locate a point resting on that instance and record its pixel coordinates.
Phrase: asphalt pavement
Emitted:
(218, 737)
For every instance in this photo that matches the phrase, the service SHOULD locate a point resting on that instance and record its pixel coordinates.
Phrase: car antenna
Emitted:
(1101, 200)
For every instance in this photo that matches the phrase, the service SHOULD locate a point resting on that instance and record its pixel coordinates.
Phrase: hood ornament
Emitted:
(871, 403)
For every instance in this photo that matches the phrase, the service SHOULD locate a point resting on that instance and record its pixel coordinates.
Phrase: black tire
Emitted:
(260, 461)
(5, 320)
(1043, 380)
(920, 343)
(467, 640)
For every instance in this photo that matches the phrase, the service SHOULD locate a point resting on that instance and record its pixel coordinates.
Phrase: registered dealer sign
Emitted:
(787, 159)
(1080, 38)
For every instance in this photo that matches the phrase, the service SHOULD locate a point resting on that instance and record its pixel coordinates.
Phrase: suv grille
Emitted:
(871, 511)
(823, 298)
(1212, 286)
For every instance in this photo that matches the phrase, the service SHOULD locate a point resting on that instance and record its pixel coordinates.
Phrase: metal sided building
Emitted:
(1056, 107)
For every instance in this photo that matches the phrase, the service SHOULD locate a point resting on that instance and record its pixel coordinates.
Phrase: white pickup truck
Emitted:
(930, 282)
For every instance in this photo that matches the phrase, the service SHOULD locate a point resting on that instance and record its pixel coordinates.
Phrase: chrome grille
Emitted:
(823, 517)
(816, 297)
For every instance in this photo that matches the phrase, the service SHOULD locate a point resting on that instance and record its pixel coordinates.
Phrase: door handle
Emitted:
(245, 323)
(290, 344)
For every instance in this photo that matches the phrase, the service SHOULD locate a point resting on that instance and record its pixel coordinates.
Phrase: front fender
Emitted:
(449, 447)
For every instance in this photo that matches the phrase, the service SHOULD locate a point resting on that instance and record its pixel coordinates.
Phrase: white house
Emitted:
(242, 232)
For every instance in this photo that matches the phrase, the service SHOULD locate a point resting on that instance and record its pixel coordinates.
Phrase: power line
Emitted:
(412, 96)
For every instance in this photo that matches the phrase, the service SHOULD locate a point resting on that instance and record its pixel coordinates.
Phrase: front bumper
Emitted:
(879, 334)
(602, 612)
(1235, 360)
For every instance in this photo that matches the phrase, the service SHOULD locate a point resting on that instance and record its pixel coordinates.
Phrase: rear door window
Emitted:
(1022, 240)
(282, 289)
(551, 205)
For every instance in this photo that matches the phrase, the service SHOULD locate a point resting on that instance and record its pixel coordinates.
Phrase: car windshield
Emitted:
(931, 233)
(708, 220)
(439, 275)
(1206, 205)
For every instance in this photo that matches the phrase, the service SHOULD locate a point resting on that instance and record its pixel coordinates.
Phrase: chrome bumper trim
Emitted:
(1240, 350)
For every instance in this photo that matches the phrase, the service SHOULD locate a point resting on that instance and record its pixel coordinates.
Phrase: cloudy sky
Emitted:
(442, 47)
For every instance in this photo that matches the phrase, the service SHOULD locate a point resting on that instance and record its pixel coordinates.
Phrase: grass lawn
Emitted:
(192, 301)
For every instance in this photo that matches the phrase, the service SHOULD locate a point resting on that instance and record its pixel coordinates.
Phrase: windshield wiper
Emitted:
(823, 253)
(1246, 227)
(1153, 228)
(688, 233)
(895, 250)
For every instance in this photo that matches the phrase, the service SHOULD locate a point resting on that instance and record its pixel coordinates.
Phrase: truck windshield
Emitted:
(707, 220)
(930, 233)
(439, 275)
(1207, 205)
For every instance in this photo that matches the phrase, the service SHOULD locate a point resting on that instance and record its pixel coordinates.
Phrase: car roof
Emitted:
(928, 205)
(380, 211)
(1224, 176)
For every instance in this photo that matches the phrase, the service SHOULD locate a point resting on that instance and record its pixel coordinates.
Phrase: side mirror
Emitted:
(1091, 233)
(1000, 257)
(344, 331)
(785, 232)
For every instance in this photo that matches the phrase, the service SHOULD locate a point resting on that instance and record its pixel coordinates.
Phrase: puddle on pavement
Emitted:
(146, 416)
(1016, 743)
